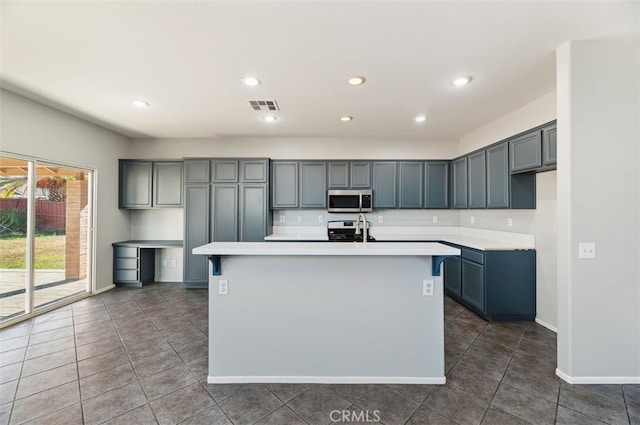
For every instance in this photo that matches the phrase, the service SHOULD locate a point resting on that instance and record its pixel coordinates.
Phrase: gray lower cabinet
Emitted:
(313, 184)
(410, 184)
(525, 152)
(459, 182)
(477, 174)
(436, 183)
(196, 233)
(385, 184)
(136, 180)
(549, 148)
(133, 266)
(498, 285)
(150, 184)
(284, 184)
(498, 176)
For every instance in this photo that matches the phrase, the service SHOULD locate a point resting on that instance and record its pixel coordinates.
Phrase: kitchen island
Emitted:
(317, 312)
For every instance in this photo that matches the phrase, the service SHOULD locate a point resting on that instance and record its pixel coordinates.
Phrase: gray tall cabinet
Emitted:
(226, 200)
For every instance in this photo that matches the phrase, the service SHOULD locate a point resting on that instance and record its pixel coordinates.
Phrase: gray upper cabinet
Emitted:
(360, 174)
(498, 176)
(196, 233)
(459, 186)
(384, 184)
(254, 171)
(197, 171)
(549, 148)
(313, 184)
(149, 184)
(411, 184)
(346, 175)
(525, 152)
(136, 179)
(167, 184)
(477, 180)
(284, 184)
(254, 213)
(224, 211)
(436, 178)
(225, 171)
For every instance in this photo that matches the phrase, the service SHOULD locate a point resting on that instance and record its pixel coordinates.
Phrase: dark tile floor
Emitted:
(139, 356)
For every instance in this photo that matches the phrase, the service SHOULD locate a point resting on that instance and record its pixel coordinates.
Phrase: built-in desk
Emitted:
(134, 261)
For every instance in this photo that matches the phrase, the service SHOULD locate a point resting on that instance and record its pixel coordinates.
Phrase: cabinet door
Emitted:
(338, 175)
(313, 184)
(472, 288)
(284, 183)
(197, 171)
(253, 212)
(360, 174)
(525, 152)
(498, 176)
(436, 179)
(459, 176)
(135, 184)
(452, 276)
(384, 185)
(225, 171)
(549, 149)
(411, 188)
(196, 231)
(254, 171)
(477, 180)
(224, 213)
(167, 184)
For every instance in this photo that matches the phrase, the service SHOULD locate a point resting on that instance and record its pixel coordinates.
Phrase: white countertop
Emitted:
(326, 249)
(485, 240)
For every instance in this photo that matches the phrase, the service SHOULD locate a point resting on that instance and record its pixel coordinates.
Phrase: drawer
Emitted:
(125, 275)
(126, 251)
(126, 263)
(475, 256)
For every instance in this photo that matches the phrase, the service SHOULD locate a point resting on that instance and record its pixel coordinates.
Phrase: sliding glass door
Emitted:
(45, 217)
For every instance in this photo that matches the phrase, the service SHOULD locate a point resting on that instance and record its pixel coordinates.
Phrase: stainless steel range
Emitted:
(347, 231)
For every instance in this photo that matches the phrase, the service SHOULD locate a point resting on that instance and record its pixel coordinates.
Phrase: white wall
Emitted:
(539, 222)
(599, 201)
(32, 129)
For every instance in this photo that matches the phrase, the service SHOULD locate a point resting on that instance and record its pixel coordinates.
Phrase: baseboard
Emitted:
(546, 325)
(105, 289)
(324, 380)
(598, 379)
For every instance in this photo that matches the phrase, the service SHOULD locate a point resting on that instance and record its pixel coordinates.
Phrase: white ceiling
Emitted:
(187, 60)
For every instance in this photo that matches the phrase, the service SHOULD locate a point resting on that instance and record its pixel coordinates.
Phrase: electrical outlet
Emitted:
(472, 219)
(164, 263)
(223, 287)
(282, 219)
(435, 218)
(380, 219)
(587, 250)
(320, 219)
(509, 222)
(427, 288)
(174, 263)
(299, 219)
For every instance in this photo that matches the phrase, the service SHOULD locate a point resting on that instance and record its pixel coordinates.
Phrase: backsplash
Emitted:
(404, 218)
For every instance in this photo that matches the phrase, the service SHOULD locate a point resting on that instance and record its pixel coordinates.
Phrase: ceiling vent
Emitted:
(264, 105)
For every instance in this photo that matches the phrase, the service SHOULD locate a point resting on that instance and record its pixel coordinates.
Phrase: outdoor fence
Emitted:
(50, 215)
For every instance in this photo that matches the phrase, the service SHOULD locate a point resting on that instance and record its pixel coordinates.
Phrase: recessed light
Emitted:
(251, 81)
(270, 118)
(346, 118)
(421, 118)
(356, 81)
(461, 81)
(140, 103)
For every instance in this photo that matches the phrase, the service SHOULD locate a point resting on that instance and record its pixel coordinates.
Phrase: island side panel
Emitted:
(326, 319)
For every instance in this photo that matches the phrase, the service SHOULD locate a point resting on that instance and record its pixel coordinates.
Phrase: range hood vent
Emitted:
(264, 105)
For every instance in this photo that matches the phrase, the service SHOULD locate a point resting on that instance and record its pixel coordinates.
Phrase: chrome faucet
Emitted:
(362, 217)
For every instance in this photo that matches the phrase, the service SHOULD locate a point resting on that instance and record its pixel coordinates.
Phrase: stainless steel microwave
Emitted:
(347, 201)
